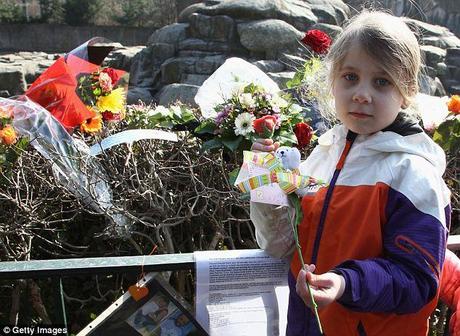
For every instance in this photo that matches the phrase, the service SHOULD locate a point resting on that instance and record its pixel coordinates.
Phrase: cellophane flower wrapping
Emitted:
(72, 87)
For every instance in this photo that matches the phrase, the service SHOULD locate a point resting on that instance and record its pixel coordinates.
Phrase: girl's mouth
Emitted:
(360, 115)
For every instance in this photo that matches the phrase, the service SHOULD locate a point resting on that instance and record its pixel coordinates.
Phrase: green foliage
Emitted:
(307, 71)
(52, 11)
(447, 135)
(11, 12)
(148, 116)
(81, 12)
(8, 157)
(140, 13)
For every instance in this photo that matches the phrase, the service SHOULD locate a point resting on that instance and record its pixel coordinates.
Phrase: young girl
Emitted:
(375, 237)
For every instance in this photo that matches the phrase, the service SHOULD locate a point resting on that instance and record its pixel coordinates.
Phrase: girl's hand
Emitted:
(325, 288)
(264, 145)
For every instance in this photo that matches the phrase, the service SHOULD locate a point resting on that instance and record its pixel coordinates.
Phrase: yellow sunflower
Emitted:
(92, 125)
(114, 102)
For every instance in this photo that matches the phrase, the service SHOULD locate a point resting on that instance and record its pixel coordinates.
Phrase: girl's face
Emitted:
(366, 99)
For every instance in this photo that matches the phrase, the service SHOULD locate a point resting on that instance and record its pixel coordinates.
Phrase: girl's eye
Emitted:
(382, 82)
(350, 77)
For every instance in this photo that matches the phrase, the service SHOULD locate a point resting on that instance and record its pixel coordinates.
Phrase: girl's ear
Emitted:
(405, 104)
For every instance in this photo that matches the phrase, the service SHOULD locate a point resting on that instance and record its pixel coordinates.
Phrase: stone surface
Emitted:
(171, 34)
(12, 79)
(172, 93)
(193, 79)
(281, 78)
(296, 13)
(213, 28)
(269, 65)
(139, 93)
(268, 36)
(122, 58)
(331, 30)
(203, 45)
(433, 55)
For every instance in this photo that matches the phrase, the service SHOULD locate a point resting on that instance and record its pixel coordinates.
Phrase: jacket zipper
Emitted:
(351, 136)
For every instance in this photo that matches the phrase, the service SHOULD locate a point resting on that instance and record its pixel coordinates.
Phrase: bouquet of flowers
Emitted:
(99, 93)
(78, 92)
(249, 113)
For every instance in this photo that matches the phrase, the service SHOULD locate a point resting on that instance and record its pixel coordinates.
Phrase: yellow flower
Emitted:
(113, 102)
(8, 135)
(453, 105)
(92, 125)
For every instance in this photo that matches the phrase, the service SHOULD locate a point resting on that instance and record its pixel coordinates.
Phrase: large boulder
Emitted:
(172, 93)
(171, 34)
(12, 79)
(270, 36)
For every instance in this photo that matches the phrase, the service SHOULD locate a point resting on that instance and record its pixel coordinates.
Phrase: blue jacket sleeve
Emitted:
(406, 277)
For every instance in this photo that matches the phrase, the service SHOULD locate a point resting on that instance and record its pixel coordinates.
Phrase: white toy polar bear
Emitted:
(289, 157)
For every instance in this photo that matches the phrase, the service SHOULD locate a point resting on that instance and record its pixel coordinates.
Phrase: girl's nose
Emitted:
(362, 96)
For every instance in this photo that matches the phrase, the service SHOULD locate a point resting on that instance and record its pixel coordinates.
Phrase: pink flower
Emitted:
(105, 82)
(112, 74)
(265, 126)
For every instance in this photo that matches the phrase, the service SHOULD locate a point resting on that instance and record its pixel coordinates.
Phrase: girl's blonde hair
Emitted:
(389, 41)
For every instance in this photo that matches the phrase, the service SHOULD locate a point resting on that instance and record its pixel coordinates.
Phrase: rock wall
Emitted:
(181, 56)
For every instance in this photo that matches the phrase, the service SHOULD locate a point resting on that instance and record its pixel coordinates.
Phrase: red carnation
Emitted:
(109, 116)
(317, 40)
(265, 126)
(303, 133)
(112, 74)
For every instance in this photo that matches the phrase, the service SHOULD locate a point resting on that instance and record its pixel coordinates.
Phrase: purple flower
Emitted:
(223, 114)
(276, 109)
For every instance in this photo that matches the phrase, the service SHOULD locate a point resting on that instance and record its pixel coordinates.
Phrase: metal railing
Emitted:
(59, 268)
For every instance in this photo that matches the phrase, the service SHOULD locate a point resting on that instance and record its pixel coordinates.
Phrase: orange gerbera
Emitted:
(92, 125)
(8, 135)
(453, 105)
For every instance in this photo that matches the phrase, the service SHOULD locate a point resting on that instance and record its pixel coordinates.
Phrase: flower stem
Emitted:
(298, 211)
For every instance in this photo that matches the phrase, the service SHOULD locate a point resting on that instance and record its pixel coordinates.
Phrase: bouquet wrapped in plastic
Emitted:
(78, 92)
(73, 166)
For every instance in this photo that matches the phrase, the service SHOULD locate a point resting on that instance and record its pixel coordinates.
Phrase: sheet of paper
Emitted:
(130, 136)
(241, 293)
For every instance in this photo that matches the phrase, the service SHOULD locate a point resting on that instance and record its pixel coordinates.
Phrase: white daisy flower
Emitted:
(243, 124)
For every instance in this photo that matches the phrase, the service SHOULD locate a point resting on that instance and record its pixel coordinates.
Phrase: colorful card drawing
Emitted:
(160, 317)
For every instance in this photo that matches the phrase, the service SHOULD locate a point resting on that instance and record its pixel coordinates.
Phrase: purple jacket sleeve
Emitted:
(407, 276)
